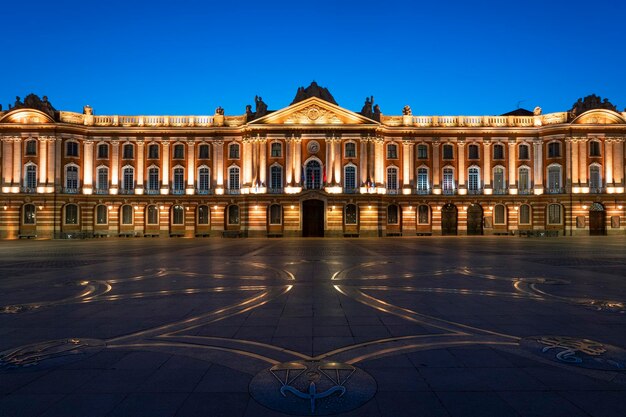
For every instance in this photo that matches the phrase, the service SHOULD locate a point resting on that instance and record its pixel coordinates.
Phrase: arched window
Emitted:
(71, 148)
(233, 178)
(554, 150)
(313, 175)
(523, 180)
(276, 214)
(498, 151)
(350, 214)
(349, 150)
(276, 179)
(71, 179)
(103, 151)
(30, 177)
(127, 214)
(423, 185)
(499, 183)
(448, 181)
(423, 214)
(524, 214)
(233, 151)
(153, 151)
(523, 152)
(71, 214)
(179, 151)
(178, 180)
(392, 179)
(102, 180)
(473, 180)
(276, 150)
(349, 178)
(594, 148)
(233, 214)
(595, 178)
(555, 214)
(392, 214)
(152, 215)
(102, 214)
(29, 214)
(153, 180)
(448, 151)
(472, 152)
(178, 215)
(128, 179)
(392, 151)
(203, 215)
(204, 179)
(203, 151)
(422, 151)
(554, 179)
(31, 148)
(128, 151)
(499, 214)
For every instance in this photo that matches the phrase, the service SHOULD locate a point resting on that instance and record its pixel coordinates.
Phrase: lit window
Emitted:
(422, 179)
(102, 214)
(233, 178)
(276, 150)
(349, 177)
(473, 179)
(350, 150)
(178, 181)
(448, 180)
(351, 214)
(276, 177)
(178, 215)
(71, 214)
(233, 215)
(392, 178)
(554, 178)
(152, 215)
(203, 215)
(71, 178)
(423, 214)
(28, 214)
(554, 214)
(127, 215)
(204, 179)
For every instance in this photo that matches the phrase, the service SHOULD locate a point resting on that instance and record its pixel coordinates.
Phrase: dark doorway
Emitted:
(474, 220)
(448, 219)
(313, 218)
(597, 220)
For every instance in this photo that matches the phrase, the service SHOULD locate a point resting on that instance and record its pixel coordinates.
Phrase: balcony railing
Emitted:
(152, 191)
(101, 191)
(448, 191)
(474, 191)
(204, 192)
(500, 191)
(524, 191)
(555, 190)
(28, 190)
(177, 191)
(233, 191)
(422, 191)
(392, 191)
(596, 190)
(127, 191)
(275, 190)
(71, 190)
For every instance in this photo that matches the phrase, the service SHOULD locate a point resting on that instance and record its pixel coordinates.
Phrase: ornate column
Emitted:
(247, 162)
(338, 161)
(487, 166)
(538, 165)
(574, 162)
(379, 162)
(568, 164)
(139, 188)
(43, 161)
(329, 160)
(582, 162)
(608, 161)
(289, 160)
(58, 154)
(412, 163)
(115, 166)
(435, 170)
(17, 161)
(461, 161)
(218, 164)
(165, 167)
(297, 163)
(363, 162)
(51, 145)
(618, 161)
(406, 164)
(87, 166)
(7, 162)
(191, 166)
(512, 167)
(263, 163)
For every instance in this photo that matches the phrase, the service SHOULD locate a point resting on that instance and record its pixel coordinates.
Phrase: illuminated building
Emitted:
(312, 168)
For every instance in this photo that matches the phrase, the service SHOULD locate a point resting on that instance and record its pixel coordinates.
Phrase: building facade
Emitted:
(312, 168)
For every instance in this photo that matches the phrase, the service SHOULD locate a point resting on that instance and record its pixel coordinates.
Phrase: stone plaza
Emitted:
(431, 326)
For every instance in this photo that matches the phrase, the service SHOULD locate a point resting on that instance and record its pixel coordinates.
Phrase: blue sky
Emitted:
(188, 57)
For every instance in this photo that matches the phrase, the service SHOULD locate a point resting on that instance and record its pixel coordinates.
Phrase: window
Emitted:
(204, 179)
(179, 151)
(448, 151)
(102, 214)
(392, 178)
(28, 216)
(31, 148)
(422, 179)
(276, 214)
(448, 180)
(178, 215)
(595, 179)
(152, 215)
(128, 179)
(276, 150)
(392, 151)
(349, 177)
(554, 214)
(203, 152)
(524, 153)
(499, 184)
(153, 179)
(473, 179)
(523, 179)
(498, 151)
(233, 178)
(233, 151)
(423, 214)
(103, 151)
(233, 214)
(102, 180)
(524, 214)
(313, 175)
(71, 148)
(554, 178)
(203, 215)
(422, 151)
(554, 150)
(178, 180)
(153, 151)
(30, 179)
(127, 215)
(71, 178)
(128, 151)
(71, 214)
(472, 152)
(499, 214)
(276, 177)
(392, 214)
(350, 214)
(594, 148)
(350, 150)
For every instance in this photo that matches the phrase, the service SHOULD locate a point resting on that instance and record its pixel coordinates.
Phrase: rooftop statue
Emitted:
(370, 110)
(406, 110)
(589, 103)
(261, 107)
(33, 101)
(313, 90)
(219, 111)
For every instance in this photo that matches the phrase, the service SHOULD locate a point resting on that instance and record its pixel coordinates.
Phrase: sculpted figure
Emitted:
(537, 111)
(219, 111)
(18, 102)
(261, 107)
(88, 110)
(406, 110)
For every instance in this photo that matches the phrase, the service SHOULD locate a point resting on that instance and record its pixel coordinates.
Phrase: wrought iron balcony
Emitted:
(275, 190)
(596, 190)
(525, 191)
(448, 191)
(555, 190)
(177, 192)
(474, 191)
(500, 191)
(350, 190)
(233, 191)
(204, 192)
(392, 191)
(127, 191)
(71, 190)
(423, 191)
(28, 190)
(101, 191)
(152, 191)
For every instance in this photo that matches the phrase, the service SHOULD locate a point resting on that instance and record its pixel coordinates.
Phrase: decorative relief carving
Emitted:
(313, 115)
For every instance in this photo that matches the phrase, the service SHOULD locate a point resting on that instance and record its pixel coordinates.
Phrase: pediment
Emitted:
(599, 117)
(26, 116)
(313, 111)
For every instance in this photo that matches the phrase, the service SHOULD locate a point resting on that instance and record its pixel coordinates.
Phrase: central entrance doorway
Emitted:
(597, 220)
(313, 218)
(448, 220)
(474, 220)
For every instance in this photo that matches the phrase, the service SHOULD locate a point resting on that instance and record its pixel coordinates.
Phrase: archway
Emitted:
(313, 218)
(474, 219)
(449, 220)
(597, 220)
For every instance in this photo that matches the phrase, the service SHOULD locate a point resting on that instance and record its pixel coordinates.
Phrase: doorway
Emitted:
(448, 220)
(474, 219)
(313, 218)
(597, 220)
